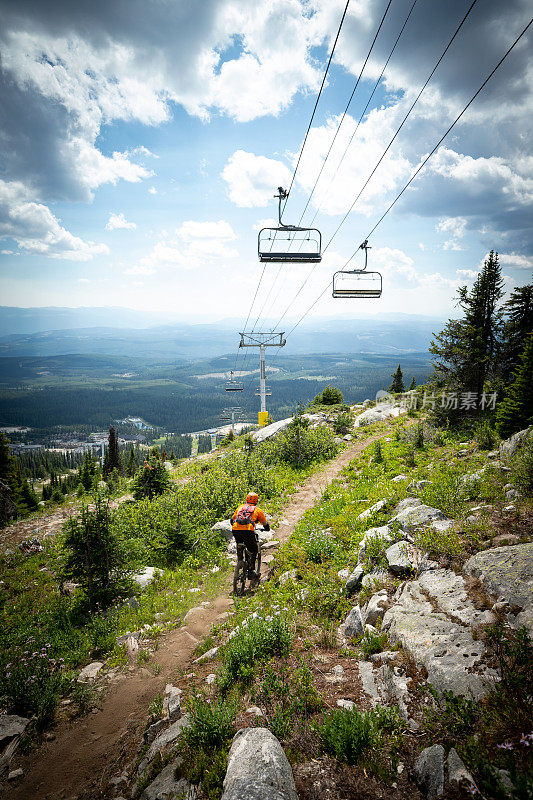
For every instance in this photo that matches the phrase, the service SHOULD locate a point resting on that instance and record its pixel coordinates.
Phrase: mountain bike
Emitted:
(243, 568)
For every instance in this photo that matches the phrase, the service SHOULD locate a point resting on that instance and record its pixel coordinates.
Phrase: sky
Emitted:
(142, 141)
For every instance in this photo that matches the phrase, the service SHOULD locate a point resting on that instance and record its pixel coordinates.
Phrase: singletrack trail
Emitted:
(86, 753)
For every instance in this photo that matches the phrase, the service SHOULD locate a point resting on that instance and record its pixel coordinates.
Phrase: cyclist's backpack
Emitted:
(244, 515)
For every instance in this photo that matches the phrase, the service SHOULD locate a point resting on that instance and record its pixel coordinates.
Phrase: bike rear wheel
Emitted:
(239, 577)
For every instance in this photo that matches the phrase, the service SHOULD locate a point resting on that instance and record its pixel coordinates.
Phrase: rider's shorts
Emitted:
(248, 539)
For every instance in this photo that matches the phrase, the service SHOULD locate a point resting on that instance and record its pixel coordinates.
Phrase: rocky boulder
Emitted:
(258, 768)
(146, 576)
(167, 787)
(507, 574)
(509, 447)
(379, 506)
(269, 431)
(429, 771)
(11, 725)
(419, 515)
(224, 527)
(403, 558)
(374, 610)
(353, 581)
(352, 625)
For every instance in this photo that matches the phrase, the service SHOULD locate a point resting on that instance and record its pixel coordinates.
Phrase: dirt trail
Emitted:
(86, 754)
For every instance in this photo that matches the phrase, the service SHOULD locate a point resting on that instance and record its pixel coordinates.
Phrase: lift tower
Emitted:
(232, 413)
(262, 341)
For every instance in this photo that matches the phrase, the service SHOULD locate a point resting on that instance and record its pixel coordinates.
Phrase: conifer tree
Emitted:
(131, 465)
(412, 385)
(397, 384)
(112, 457)
(518, 310)
(516, 411)
(465, 351)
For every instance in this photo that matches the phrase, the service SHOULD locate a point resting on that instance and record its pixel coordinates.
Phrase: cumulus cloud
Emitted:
(250, 178)
(196, 243)
(454, 226)
(36, 230)
(516, 260)
(119, 221)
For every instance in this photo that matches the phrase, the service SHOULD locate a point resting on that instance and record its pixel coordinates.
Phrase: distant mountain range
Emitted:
(125, 332)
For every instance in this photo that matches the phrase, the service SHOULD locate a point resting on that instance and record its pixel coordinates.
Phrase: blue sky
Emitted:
(142, 143)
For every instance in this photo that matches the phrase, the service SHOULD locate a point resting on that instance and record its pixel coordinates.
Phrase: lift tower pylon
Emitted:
(262, 341)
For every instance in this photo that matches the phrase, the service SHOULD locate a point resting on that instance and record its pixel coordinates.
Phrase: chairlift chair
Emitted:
(358, 282)
(289, 244)
(234, 385)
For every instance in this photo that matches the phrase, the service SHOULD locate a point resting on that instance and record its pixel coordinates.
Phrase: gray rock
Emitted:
(507, 574)
(408, 502)
(255, 710)
(167, 787)
(393, 688)
(386, 534)
(268, 431)
(168, 737)
(450, 595)
(372, 415)
(290, 575)
(429, 771)
(352, 625)
(403, 558)
(349, 705)
(354, 580)
(224, 527)
(90, 672)
(14, 774)
(422, 485)
(457, 772)
(376, 607)
(146, 576)
(512, 494)
(366, 671)
(379, 506)
(374, 579)
(11, 725)
(399, 478)
(348, 437)
(258, 768)
(172, 703)
(417, 516)
(509, 447)
(441, 644)
(207, 656)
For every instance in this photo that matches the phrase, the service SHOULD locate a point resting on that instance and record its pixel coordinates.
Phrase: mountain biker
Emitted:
(243, 524)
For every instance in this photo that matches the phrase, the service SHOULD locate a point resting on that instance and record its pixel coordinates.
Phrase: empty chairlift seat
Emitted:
(234, 385)
(289, 243)
(361, 283)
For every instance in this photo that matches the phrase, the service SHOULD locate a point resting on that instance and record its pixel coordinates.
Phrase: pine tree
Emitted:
(465, 351)
(516, 411)
(412, 385)
(151, 479)
(518, 310)
(112, 457)
(397, 384)
(131, 465)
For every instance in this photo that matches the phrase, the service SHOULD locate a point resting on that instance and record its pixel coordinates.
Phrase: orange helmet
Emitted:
(252, 498)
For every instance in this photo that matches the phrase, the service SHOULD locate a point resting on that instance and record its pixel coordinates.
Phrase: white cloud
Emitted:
(152, 190)
(83, 280)
(251, 179)
(196, 244)
(467, 274)
(119, 221)
(36, 230)
(516, 260)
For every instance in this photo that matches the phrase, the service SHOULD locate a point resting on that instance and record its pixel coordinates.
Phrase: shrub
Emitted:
(330, 396)
(321, 547)
(447, 490)
(299, 446)
(377, 458)
(522, 467)
(343, 422)
(285, 695)
(32, 682)
(94, 556)
(371, 643)
(347, 734)
(418, 439)
(485, 436)
(253, 642)
(151, 479)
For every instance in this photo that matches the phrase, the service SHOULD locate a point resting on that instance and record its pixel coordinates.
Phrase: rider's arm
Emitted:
(261, 518)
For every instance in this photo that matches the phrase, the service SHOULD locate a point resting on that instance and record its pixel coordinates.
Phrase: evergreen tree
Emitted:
(518, 310)
(516, 411)
(465, 351)
(397, 384)
(151, 479)
(412, 385)
(204, 444)
(131, 465)
(87, 471)
(112, 457)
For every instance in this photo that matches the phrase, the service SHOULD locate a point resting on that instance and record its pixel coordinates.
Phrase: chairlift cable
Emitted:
(317, 101)
(419, 168)
(339, 226)
(364, 111)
